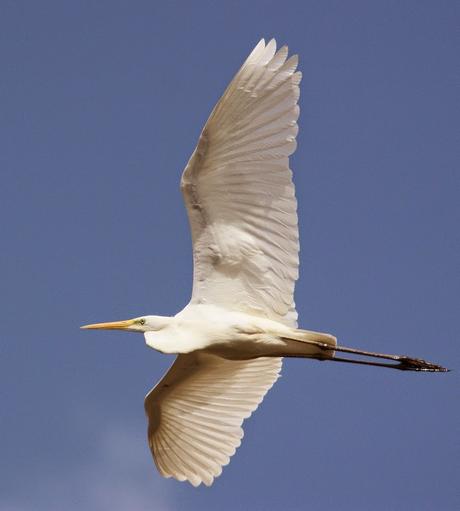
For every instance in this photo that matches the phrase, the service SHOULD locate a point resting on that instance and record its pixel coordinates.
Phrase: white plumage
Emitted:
(195, 413)
(239, 192)
(240, 198)
(241, 318)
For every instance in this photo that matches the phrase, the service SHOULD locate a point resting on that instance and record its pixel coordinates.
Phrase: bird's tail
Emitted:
(306, 343)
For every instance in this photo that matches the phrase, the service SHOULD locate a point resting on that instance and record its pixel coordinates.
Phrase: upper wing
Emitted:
(196, 411)
(239, 193)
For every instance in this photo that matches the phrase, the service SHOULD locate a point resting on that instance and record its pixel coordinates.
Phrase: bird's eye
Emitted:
(142, 321)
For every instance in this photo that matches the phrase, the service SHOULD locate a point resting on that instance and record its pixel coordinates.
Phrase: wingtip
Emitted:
(272, 43)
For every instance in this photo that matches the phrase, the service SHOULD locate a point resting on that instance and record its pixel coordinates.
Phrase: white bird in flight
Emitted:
(241, 319)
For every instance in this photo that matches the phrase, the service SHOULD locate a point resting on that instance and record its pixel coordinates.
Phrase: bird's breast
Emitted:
(181, 338)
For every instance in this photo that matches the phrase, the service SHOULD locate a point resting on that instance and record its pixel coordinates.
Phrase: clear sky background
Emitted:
(101, 104)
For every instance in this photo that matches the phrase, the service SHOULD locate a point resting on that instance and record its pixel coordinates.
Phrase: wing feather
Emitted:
(239, 192)
(196, 411)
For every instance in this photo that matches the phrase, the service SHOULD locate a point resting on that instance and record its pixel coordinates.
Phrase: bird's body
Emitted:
(230, 334)
(241, 318)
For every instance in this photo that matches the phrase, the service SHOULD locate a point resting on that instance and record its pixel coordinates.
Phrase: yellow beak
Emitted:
(115, 325)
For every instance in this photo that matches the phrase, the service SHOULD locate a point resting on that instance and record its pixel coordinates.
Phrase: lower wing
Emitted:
(196, 411)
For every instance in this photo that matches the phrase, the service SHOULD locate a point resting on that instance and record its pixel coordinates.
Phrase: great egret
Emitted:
(241, 318)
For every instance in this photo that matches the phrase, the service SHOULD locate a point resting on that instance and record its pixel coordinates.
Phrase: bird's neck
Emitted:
(158, 323)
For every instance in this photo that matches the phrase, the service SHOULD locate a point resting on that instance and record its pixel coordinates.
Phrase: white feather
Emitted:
(239, 193)
(196, 411)
(242, 209)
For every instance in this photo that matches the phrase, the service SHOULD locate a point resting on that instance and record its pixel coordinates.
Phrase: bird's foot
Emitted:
(417, 364)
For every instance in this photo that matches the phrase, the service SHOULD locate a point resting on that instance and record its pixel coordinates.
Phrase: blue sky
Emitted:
(101, 104)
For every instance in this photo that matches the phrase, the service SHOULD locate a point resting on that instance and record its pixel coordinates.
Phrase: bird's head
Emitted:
(140, 324)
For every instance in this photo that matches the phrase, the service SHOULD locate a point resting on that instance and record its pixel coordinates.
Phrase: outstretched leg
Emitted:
(403, 362)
